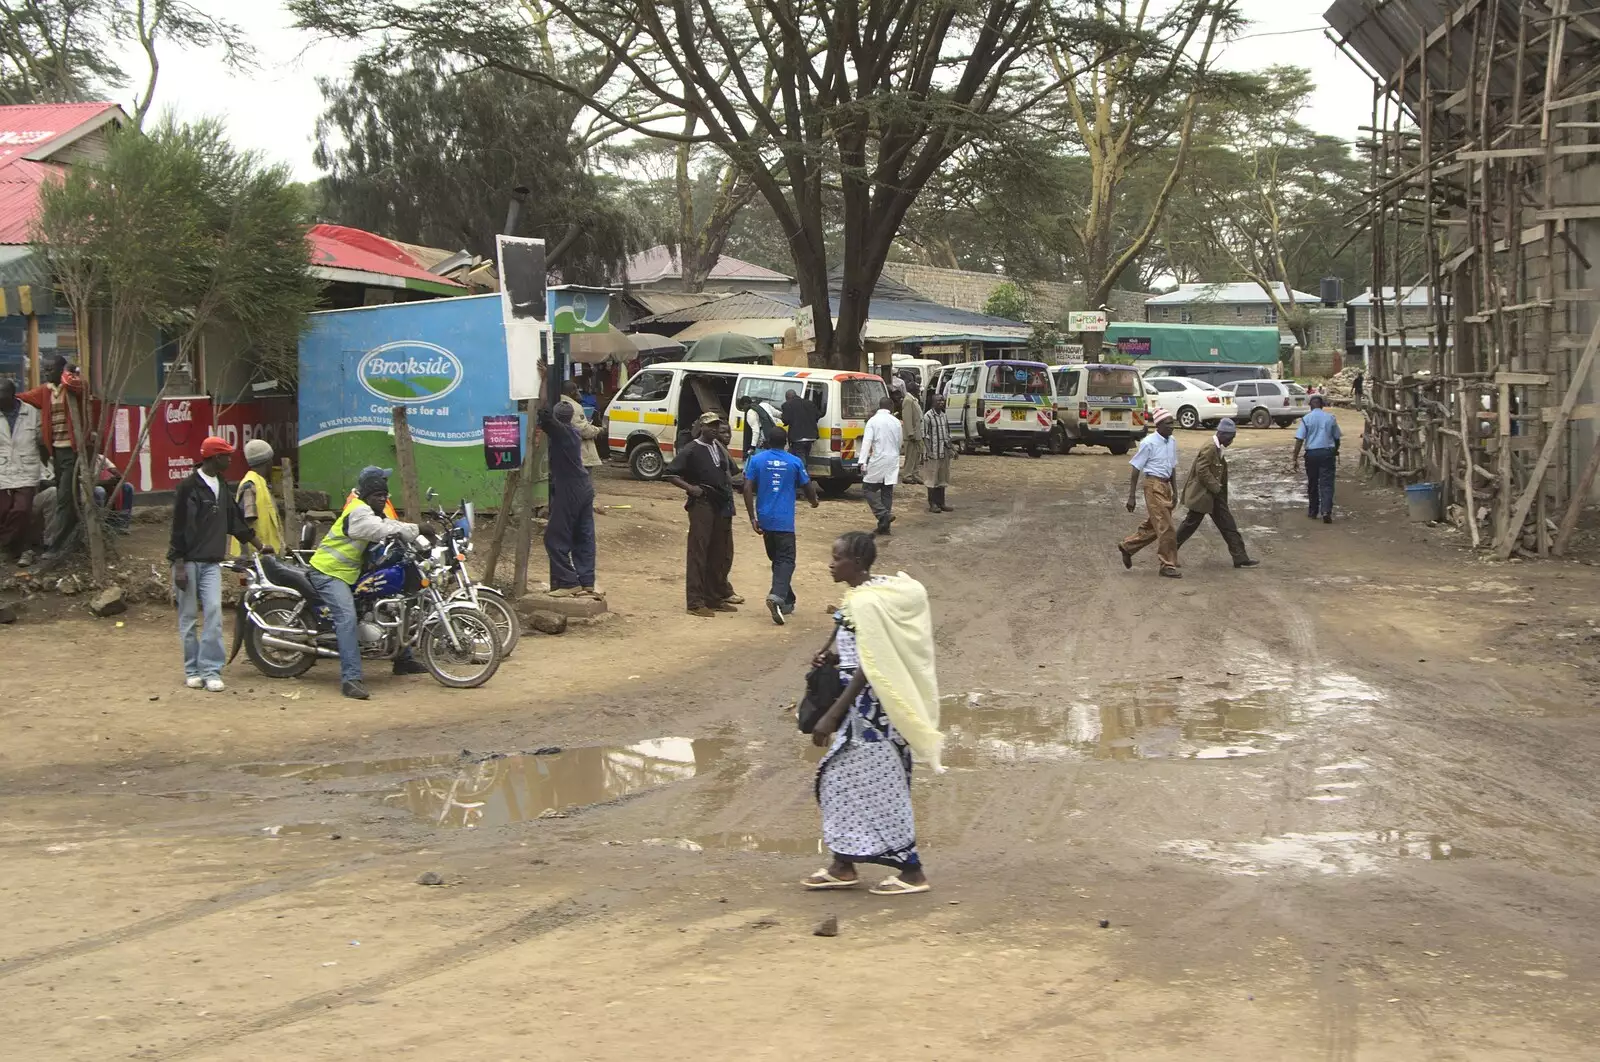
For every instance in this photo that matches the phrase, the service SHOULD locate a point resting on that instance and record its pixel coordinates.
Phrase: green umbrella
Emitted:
(730, 346)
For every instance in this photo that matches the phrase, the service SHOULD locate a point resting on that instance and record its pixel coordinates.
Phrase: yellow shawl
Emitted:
(894, 637)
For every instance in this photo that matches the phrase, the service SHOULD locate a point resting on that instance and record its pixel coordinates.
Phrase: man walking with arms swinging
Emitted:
(1156, 460)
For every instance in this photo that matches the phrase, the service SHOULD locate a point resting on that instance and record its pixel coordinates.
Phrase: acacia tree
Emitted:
(427, 153)
(808, 98)
(150, 23)
(54, 51)
(175, 232)
(1268, 198)
(1134, 88)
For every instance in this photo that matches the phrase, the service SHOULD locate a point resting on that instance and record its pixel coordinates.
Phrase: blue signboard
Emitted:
(444, 360)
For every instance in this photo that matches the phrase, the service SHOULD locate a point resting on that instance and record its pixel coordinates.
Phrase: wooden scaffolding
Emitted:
(1485, 197)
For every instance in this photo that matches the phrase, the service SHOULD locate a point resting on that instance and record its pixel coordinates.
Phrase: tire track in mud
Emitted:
(535, 923)
(193, 912)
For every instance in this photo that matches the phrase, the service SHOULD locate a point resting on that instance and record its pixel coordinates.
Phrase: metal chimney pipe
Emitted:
(519, 195)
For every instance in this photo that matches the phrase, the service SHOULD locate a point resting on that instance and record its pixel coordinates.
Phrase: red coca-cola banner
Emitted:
(177, 427)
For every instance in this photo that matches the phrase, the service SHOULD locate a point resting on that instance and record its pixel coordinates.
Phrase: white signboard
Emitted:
(805, 323)
(524, 309)
(1069, 354)
(1086, 321)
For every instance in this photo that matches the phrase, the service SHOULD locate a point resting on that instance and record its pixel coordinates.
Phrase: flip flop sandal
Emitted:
(829, 882)
(896, 887)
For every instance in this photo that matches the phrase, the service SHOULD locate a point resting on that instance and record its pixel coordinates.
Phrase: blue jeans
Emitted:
(200, 620)
(117, 519)
(341, 601)
(1320, 467)
(780, 551)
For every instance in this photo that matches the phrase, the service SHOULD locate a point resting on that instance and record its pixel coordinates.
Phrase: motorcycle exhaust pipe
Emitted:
(272, 641)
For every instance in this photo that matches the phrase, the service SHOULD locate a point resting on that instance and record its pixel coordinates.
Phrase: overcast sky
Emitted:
(274, 107)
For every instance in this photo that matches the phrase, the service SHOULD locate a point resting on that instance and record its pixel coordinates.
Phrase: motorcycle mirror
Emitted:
(472, 515)
(431, 494)
(422, 542)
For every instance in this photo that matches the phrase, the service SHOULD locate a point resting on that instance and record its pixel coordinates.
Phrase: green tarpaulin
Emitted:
(1195, 343)
(729, 346)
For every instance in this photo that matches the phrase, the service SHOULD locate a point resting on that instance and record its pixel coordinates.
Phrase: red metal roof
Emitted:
(26, 130)
(341, 247)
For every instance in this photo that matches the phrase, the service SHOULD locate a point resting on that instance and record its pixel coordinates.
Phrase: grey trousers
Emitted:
(880, 499)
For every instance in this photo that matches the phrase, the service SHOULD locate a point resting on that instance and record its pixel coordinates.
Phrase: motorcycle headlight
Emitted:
(439, 554)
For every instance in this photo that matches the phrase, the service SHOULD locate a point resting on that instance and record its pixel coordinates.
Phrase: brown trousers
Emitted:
(710, 556)
(1157, 526)
(16, 519)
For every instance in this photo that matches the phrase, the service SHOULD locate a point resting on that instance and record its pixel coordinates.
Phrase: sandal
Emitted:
(896, 887)
(828, 881)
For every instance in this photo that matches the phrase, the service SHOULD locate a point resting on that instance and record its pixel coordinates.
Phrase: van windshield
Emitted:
(1018, 378)
(1113, 382)
(860, 398)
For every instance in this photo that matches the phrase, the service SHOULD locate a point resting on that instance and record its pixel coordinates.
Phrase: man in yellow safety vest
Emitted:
(337, 564)
(255, 498)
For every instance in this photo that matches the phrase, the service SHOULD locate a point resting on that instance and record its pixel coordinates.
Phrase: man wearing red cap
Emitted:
(204, 515)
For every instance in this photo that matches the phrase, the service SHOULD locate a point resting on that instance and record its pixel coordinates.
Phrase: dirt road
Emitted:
(1341, 807)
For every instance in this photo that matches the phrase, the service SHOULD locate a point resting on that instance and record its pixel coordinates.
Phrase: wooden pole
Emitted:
(33, 350)
(405, 459)
(291, 518)
(519, 578)
(1466, 477)
(508, 500)
(1558, 428)
(1580, 494)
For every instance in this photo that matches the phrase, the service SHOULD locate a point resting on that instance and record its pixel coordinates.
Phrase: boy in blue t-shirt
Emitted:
(772, 477)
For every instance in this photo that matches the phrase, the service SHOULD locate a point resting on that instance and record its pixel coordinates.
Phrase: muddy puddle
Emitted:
(1222, 716)
(499, 790)
(1363, 852)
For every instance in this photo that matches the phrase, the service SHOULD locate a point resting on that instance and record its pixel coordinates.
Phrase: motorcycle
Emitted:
(485, 598)
(401, 604)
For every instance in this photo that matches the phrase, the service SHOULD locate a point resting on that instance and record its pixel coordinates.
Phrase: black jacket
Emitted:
(201, 524)
(801, 416)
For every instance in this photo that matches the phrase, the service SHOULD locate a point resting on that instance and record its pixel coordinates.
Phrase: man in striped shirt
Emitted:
(938, 453)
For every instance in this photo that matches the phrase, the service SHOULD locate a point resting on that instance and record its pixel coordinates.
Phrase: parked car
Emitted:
(1217, 374)
(1267, 402)
(1192, 402)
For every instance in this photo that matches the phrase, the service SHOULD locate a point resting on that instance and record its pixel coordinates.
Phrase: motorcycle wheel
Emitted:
(278, 663)
(508, 628)
(478, 657)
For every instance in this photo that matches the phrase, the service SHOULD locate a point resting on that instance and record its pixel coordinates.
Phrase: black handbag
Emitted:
(823, 688)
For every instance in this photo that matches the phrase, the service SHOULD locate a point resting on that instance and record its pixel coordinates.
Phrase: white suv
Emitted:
(1267, 402)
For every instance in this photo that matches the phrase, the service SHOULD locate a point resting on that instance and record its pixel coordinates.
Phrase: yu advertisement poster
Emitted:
(444, 360)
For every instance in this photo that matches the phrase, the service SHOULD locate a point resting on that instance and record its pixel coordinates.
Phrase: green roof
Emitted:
(1199, 343)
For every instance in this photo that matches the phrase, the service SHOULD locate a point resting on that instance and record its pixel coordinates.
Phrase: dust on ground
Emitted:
(1337, 807)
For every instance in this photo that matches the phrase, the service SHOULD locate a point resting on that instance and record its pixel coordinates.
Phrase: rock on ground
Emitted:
(108, 602)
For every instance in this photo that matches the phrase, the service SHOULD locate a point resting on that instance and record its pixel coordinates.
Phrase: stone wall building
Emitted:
(1414, 314)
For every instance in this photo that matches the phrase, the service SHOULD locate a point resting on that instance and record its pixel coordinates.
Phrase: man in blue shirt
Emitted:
(1319, 434)
(771, 478)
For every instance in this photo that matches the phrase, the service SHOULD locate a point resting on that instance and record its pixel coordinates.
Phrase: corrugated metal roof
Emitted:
(658, 302)
(1415, 295)
(1225, 294)
(19, 198)
(662, 263)
(338, 247)
(28, 129)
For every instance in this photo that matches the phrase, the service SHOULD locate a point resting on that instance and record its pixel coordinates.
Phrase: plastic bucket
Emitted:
(1422, 502)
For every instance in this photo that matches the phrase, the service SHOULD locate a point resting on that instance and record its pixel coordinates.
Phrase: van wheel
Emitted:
(1033, 451)
(1260, 418)
(969, 446)
(997, 448)
(1188, 419)
(833, 488)
(645, 462)
(1119, 448)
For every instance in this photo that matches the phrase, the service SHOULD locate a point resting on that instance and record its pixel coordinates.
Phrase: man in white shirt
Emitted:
(1156, 460)
(880, 463)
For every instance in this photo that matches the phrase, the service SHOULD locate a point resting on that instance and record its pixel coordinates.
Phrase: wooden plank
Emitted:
(1572, 101)
(530, 473)
(1569, 519)
(1580, 379)
(1487, 154)
(1581, 411)
(1522, 379)
(405, 461)
(1563, 213)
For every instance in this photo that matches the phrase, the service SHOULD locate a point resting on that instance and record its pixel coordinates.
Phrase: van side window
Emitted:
(961, 381)
(765, 388)
(648, 386)
(1067, 384)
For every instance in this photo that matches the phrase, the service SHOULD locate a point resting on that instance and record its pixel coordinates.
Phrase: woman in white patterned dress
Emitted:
(887, 712)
